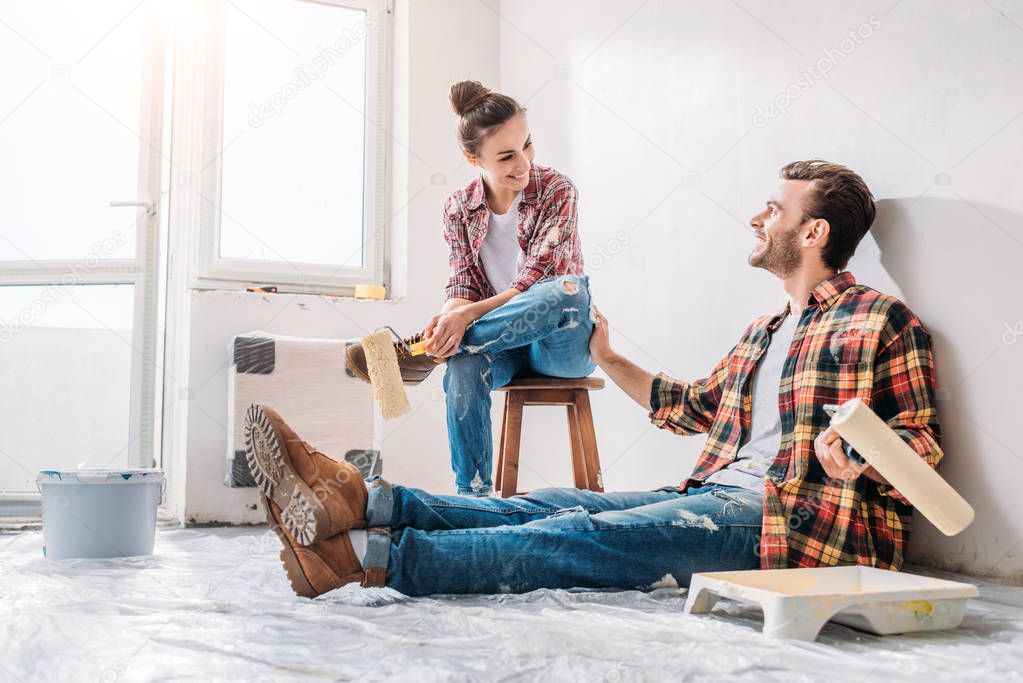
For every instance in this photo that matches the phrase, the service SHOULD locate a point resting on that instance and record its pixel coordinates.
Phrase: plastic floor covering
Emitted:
(214, 604)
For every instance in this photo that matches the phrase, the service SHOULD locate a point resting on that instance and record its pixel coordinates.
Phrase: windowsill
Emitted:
(344, 292)
(21, 523)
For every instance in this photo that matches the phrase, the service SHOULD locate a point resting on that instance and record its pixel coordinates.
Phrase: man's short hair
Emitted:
(839, 196)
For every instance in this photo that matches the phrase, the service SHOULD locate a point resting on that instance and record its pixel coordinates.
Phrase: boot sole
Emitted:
(299, 583)
(302, 513)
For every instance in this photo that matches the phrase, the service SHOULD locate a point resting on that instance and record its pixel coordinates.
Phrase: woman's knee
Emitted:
(568, 286)
(574, 284)
(560, 294)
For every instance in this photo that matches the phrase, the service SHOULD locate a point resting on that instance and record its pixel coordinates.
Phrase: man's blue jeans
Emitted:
(544, 330)
(559, 538)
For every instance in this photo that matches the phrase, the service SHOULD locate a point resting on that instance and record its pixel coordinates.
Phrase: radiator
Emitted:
(305, 380)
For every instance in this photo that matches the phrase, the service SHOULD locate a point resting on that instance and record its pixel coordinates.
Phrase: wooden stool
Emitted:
(550, 391)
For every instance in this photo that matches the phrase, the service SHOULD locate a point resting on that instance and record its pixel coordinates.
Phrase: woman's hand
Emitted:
(600, 342)
(444, 331)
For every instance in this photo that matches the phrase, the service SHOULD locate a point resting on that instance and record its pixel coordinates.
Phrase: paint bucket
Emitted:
(99, 513)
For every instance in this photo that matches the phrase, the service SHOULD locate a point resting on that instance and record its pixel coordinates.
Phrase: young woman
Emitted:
(517, 302)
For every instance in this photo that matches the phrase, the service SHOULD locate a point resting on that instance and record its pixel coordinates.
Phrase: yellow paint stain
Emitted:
(921, 609)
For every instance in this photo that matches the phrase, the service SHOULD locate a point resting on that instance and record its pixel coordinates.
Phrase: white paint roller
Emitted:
(894, 460)
(385, 374)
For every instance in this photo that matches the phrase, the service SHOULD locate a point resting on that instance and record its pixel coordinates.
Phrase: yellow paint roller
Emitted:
(384, 372)
(879, 446)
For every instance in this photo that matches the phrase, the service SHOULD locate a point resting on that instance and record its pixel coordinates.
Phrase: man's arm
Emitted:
(902, 396)
(682, 407)
(632, 379)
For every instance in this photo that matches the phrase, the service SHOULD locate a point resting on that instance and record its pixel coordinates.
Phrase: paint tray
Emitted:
(798, 602)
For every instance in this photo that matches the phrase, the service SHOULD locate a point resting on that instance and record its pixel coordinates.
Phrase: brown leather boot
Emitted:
(414, 369)
(318, 496)
(323, 566)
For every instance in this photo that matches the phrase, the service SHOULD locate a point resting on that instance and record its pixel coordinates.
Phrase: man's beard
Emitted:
(781, 255)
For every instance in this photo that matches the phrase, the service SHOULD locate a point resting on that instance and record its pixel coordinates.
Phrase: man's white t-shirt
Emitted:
(501, 255)
(761, 448)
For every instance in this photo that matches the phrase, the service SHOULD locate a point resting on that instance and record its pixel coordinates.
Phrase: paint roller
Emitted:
(867, 434)
(384, 371)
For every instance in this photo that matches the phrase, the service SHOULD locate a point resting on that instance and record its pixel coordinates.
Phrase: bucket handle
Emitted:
(88, 478)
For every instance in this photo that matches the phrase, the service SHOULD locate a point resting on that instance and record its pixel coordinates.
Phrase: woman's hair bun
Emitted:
(480, 111)
(465, 95)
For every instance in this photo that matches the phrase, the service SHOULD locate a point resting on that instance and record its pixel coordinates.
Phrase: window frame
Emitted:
(212, 271)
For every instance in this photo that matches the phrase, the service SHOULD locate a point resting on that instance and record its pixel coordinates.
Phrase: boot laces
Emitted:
(401, 348)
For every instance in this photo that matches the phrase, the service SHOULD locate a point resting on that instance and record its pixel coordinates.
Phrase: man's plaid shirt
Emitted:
(851, 341)
(547, 232)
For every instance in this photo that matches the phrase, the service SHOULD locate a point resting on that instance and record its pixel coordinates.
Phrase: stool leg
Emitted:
(513, 434)
(589, 439)
(500, 449)
(576, 439)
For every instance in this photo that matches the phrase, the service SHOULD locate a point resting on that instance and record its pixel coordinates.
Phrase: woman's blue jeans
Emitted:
(544, 330)
(559, 538)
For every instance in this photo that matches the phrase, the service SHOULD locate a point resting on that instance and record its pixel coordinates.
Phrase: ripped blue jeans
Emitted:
(545, 330)
(560, 538)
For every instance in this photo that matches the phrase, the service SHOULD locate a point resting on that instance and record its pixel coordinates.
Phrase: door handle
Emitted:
(144, 202)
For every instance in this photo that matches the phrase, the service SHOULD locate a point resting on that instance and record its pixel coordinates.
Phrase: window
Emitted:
(295, 192)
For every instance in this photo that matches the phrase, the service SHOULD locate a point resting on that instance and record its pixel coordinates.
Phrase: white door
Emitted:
(81, 143)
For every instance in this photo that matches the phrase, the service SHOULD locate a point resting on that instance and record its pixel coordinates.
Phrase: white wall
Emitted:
(650, 107)
(414, 447)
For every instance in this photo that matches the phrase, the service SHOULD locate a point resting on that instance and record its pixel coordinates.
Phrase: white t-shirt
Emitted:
(501, 255)
(761, 448)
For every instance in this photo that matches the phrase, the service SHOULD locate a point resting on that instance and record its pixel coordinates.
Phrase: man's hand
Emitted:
(634, 380)
(828, 446)
(445, 330)
(600, 342)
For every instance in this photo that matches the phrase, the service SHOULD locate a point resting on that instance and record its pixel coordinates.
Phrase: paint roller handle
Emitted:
(417, 349)
(850, 452)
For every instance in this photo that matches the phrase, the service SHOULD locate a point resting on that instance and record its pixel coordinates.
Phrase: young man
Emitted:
(772, 488)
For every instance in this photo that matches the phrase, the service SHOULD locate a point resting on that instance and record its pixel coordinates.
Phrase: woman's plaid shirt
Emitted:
(547, 232)
(851, 341)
